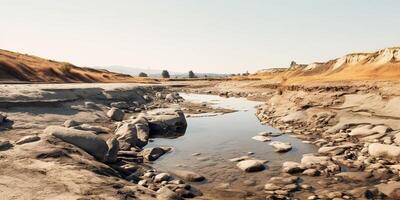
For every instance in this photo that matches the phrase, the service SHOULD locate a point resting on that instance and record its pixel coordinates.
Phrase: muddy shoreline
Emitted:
(355, 127)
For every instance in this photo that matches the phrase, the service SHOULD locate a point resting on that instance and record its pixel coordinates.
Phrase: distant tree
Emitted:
(142, 74)
(293, 63)
(165, 74)
(191, 74)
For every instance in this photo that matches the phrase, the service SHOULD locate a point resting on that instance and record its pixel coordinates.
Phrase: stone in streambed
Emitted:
(251, 165)
(189, 175)
(152, 154)
(261, 138)
(281, 146)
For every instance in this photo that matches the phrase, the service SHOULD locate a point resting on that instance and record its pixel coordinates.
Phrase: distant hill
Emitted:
(17, 67)
(380, 65)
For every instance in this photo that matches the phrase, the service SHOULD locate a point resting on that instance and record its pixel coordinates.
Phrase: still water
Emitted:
(222, 137)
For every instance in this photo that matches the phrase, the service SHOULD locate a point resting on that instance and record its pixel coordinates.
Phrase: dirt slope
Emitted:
(16, 67)
(380, 65)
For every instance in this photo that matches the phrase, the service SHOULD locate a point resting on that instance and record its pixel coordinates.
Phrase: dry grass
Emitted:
(23, 67)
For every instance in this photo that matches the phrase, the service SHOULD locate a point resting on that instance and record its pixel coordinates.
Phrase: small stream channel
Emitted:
(222, 137)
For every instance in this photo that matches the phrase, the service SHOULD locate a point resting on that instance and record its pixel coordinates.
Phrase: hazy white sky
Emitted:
(202, 35)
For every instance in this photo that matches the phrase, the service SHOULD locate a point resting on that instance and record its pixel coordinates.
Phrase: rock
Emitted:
(113, 148)
(261, 138)
(189, 176)
(120, 105)
(85, 140)
(162, 177)
(96, 129)
(384, 150)
(311, 172)
(90, 105)
(269, 134)
(391, 189)
(292, 167)
(368, 130)
(143, 133)
(251, 165)
(167, 121)
(165, 193)
(355, 176)
(311, 160)
(71, 123)
(115, 114)
(335, 149)
(28, 139)
(152, 154)
(2, 118)
(281, 146)
(295, 116)
(271, 187)
(237, 159)
(397, 138)
(127, 136)
(5, 145)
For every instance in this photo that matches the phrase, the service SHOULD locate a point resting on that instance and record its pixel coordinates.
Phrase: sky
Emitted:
(220, 36)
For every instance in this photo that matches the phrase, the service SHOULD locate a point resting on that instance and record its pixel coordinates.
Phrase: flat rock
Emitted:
(311, 160)
(269, 134)
(251, 165)
(96, 129)
(384, 150)
(71, 123)
(28, 139)
(162, 177)
(354, 176)
(120, 105)
(292, 167)
(391, 189)
(189, 175)
(281, 146)
(261, 138)
(237, 159)
(85, 140)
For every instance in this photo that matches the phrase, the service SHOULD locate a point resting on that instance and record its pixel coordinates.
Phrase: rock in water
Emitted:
(162, 177)
(116, 114)
(5, 145)
(281, 146)
(152, 154)
(384, 150)
(28, 139)
(189, 176)
(261, 138)
(251, 165)
(85, 140)
(113, 148)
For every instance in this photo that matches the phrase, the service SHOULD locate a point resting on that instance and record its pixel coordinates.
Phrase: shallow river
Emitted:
(222, 137)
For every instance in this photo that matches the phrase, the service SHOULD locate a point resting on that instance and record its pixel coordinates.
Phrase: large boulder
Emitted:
(384, 150)
(167, 122)
(152, 154)
(127, 135)
(251, 165)
(85, 140)
(115, 114)
(189, 175)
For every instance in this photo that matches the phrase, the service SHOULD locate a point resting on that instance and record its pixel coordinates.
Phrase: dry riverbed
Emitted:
(127, 141)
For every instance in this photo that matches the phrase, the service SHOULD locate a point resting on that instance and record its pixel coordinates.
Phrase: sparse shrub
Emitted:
(191, 74)
(142, 74)
(165, 74)
(66, 68)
